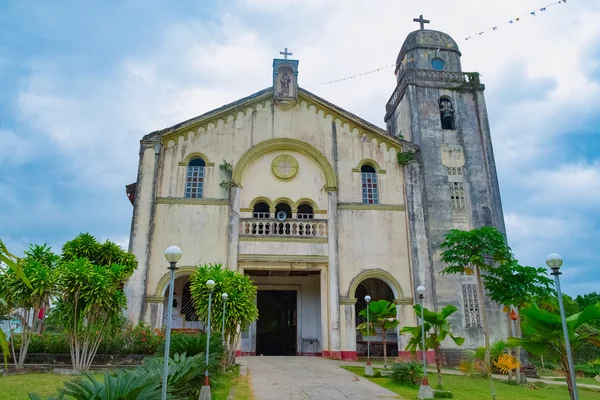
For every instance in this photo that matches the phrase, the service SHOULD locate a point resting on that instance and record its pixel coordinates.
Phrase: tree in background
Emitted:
(382, 315)
(241, 309)
(90, 280)
(438, 321)
(518, 285)
(470, 253)
(39, 265)
(543, 335)
(9, 261)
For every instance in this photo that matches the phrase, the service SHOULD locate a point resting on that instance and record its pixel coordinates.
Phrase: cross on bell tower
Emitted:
(420, 20)
(285, 53)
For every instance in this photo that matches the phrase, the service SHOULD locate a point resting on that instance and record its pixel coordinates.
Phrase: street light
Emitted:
(368, 367)
(172, 254)
(554, 261)
(205, 390)
(224, 296)
(425, 391)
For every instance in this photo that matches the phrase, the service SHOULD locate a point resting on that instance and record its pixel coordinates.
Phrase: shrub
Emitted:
(409, 373)
(590, 369)
(191, 344)
(442, 394)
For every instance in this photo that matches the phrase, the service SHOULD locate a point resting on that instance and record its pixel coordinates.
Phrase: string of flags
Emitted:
(518, 19)
(353, 76)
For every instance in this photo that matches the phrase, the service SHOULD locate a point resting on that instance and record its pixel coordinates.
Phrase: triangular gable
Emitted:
(223, 112)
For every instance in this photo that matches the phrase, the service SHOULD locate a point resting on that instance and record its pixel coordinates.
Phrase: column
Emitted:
(233, 229)
(348, 328)
(324, 313)
(143, 215)
(334, 281)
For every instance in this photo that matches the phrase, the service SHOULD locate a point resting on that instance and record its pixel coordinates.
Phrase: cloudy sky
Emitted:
(82, 82)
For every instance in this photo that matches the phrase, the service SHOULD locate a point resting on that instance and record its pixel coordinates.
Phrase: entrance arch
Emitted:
(378, 290)
(183, 306)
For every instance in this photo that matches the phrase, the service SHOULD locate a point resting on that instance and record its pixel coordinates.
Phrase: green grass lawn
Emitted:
(17, 387)
(479, 389)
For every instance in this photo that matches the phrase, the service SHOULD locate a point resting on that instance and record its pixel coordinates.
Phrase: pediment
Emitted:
(261, 100)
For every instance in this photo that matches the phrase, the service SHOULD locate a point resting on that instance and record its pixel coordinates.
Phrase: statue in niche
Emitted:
(285, 84)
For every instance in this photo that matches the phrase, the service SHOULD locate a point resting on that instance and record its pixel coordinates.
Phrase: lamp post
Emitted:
(172, 254)
(554, 261)
(368, 367)
(224, 296)
(205, 390)
(425, 391)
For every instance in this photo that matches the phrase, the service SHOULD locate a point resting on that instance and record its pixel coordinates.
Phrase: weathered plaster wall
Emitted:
(467, 146)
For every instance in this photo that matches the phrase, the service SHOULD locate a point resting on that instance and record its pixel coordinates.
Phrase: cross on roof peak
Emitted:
(285, 53)
(421, 21)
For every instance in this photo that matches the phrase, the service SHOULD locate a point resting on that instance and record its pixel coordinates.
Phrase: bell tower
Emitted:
(452, 184)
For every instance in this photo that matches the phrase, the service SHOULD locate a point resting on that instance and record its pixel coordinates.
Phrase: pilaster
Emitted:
(233, 230)
(141, 227)
(334, 281)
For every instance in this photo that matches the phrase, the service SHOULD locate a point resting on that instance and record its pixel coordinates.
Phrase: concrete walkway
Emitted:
(315, 378)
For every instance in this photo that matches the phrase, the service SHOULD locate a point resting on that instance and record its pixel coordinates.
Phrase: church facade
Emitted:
(320, 207)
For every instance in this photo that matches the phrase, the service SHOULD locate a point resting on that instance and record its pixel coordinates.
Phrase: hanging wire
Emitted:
(353, 76)
(518, 19)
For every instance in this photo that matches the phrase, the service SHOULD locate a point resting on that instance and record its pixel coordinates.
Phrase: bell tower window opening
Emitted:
(447, 114)
(261, 210)
(471, 306)
(305, 211)
(194, 185)
(370, 187)
(457, 196)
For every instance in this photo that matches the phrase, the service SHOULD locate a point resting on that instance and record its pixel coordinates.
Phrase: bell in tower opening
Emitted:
(447, 114)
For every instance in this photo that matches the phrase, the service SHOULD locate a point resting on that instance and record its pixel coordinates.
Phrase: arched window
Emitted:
(305, 211)
(447, 113)
(370, 189)
(194, 185)
(283, 228)
(261, 210)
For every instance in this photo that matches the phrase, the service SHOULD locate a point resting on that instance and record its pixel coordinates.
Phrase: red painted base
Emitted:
(418, 356)
(325, 353)
(349, 356)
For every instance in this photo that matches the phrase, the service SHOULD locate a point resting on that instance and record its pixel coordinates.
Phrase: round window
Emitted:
(437, 64)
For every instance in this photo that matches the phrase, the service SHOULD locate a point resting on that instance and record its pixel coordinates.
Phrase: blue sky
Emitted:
(82, 82)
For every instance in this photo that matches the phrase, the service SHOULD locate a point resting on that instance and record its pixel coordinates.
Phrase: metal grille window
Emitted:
(457, 196)
(194, 184)
(471, 306)
(370, 188)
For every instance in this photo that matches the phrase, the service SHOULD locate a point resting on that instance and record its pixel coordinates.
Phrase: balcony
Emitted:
(293, 227)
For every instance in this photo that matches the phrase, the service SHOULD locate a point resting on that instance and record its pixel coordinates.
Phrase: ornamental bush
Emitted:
(408, 373)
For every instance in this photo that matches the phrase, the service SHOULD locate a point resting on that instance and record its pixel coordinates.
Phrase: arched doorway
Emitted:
(183, 306)
(378, 290)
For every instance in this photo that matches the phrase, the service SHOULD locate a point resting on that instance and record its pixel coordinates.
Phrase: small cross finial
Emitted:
(285, 53)
(421, 21)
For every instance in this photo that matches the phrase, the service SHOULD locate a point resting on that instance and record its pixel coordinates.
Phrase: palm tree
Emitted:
(543, 334)
(441, 330)
(382, 315)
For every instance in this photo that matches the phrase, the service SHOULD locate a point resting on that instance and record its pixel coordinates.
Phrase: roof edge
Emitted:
(157, 134)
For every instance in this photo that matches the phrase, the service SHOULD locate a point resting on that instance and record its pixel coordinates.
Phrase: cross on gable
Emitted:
(285, 53)
(421, 21)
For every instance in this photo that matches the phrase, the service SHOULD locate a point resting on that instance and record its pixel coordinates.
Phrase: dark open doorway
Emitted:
(276, 325)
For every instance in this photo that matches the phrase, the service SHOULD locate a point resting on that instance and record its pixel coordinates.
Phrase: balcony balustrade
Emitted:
(293, 227)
